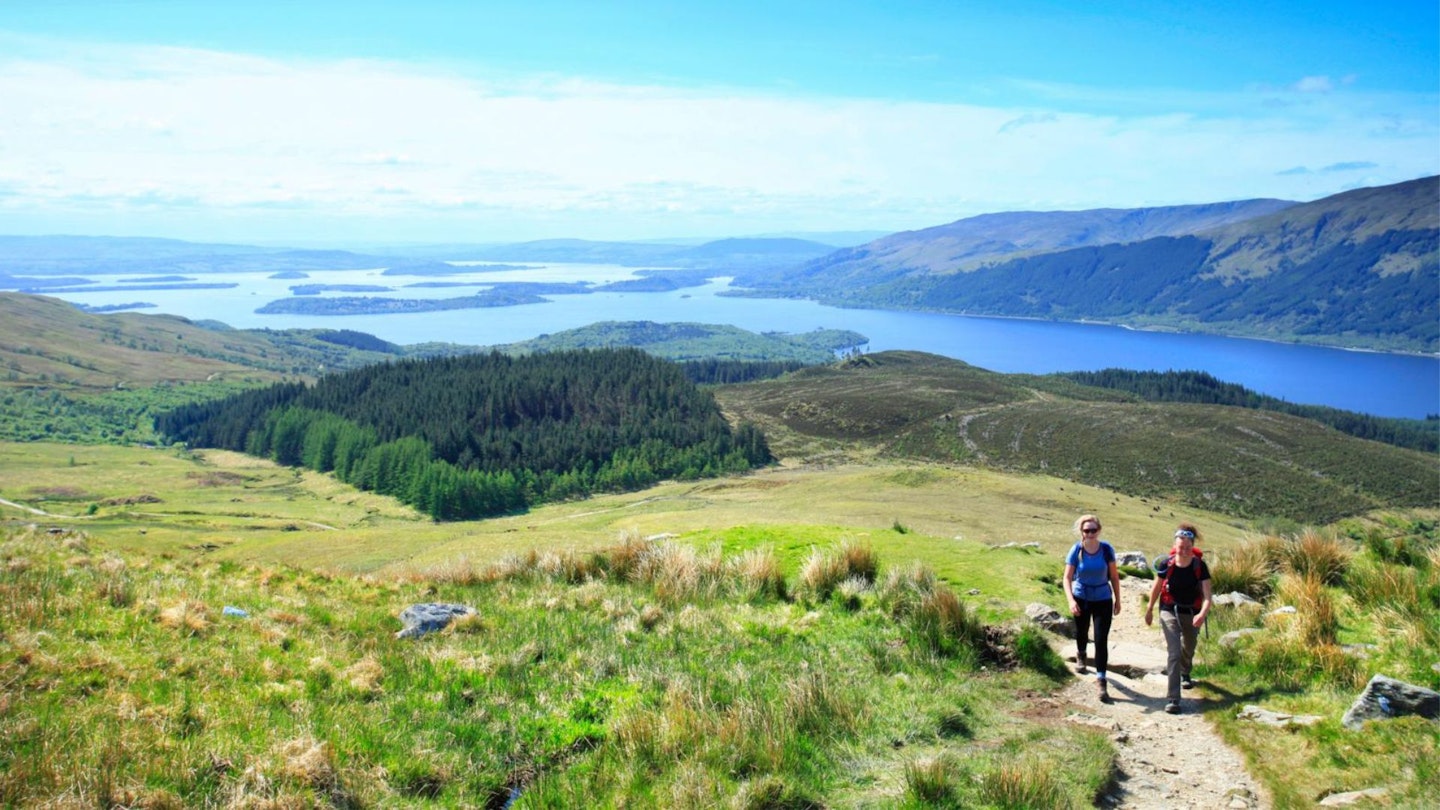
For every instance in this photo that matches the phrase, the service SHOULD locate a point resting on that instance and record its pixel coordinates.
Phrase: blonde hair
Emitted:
(1083, 519)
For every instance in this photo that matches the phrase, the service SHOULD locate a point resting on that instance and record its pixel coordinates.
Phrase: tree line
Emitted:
(485, 434)
(1200, 387)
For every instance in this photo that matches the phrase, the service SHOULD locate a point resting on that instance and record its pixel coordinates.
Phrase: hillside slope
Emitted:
(971, 243)
(909, 405)
(48, 341)
(1356, 269)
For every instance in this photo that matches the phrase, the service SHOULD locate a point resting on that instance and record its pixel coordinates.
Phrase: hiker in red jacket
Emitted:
(1182, 589)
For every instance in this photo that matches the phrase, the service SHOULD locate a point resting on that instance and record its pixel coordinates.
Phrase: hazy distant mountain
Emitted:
(1357, 269)
(720, 255)
(974, 242)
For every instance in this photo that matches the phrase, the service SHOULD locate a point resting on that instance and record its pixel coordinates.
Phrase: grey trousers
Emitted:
(1180, 635)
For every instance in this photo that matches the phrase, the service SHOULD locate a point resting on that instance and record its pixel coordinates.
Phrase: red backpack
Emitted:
(1166, 598)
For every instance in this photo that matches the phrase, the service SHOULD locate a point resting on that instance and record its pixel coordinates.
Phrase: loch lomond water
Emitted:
(1382, 384)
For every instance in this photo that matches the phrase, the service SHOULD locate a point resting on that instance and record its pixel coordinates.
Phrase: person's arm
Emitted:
(1115, 585)
(1154, 595)
(1205, 605)
(1070, 589)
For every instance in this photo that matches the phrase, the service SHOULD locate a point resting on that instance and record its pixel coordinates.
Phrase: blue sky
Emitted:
(328, 122)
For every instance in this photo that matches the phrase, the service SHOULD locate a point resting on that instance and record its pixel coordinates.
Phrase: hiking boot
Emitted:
(1080, 662)
(1173, 707)
(1104, 691)
(1186, 683)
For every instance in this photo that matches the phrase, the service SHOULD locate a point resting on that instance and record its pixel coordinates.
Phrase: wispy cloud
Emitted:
(168, 132)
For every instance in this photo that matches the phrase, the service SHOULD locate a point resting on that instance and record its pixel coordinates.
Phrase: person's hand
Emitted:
(1149, 615)
(1199, 619)
(1074, 608)
(1117, 607)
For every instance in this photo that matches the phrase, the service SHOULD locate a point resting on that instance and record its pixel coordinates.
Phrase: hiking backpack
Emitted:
(1169, 561)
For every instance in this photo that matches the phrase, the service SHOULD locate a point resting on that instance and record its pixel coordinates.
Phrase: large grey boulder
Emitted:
(429, 617)
(1235, 599)
(1386, 697)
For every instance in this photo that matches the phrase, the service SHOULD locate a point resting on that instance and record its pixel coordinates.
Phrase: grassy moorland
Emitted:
(648, 675)
(1237, 461)
(748, 663)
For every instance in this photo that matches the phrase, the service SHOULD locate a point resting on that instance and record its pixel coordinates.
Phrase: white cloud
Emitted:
(414, 148)
(1314, 84)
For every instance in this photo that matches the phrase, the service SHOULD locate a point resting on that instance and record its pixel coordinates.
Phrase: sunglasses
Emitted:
(1188, 535)
(1089, 530)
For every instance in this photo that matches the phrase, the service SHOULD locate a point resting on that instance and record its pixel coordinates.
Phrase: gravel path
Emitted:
(1164, 761)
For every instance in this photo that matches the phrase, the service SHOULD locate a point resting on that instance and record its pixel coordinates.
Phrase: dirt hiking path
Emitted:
(1164, 760)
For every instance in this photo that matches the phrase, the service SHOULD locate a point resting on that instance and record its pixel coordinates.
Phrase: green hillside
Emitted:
(1359, 269)
(1232, 460)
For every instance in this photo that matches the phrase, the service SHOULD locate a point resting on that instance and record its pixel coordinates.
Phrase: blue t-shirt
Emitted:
(1092, 572)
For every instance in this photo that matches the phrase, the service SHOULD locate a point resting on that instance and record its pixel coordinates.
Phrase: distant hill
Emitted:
(49, 342)
(720, 255)
(977, 241)
(1356, 269)
(1244, 462)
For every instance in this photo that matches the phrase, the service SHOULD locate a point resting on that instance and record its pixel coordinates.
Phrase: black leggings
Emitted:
(1102, 612)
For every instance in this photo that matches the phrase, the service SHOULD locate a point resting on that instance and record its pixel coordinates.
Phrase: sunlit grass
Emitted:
(650, 673)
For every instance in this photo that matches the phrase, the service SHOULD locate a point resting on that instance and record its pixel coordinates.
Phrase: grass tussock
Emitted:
(1316, 554)
(1247, 568)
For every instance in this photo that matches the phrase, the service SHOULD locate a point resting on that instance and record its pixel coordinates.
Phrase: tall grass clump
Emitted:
(1312, 553)
(1247, 568)
(1023, 783)
(932, 781)
(759, 575)
(1316, 620)
(825, 569)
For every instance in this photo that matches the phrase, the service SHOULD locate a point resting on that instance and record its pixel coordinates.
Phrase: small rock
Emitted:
(1386, 697)
(1358, 650)
(1241, 799)
(973, 592)
(1277, 719)
(1234, 599)
(1285, 610)
(429, 617)
(1347, 799)
(1233, 637)
(1049, 618)
(231, 610)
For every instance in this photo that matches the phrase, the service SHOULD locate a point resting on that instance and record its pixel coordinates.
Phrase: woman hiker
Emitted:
(1182, 586)
(1092, 584)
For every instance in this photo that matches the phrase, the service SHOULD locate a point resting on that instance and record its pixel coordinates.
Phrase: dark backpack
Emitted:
(1169, 562)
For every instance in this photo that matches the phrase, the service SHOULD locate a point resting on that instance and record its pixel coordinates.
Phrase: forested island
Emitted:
(501, 295)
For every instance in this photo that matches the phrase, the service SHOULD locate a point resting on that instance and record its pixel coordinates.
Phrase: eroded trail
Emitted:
(1165, 761)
